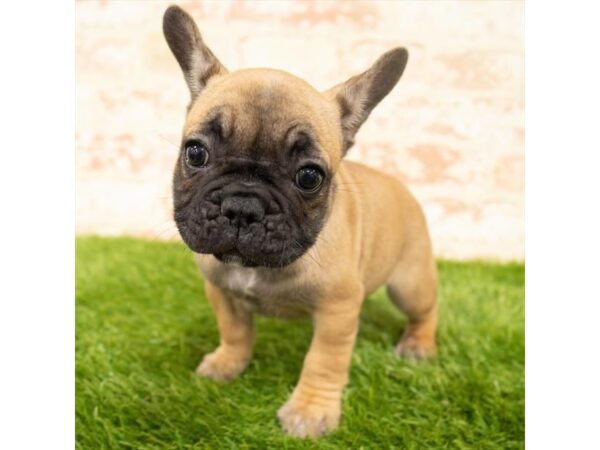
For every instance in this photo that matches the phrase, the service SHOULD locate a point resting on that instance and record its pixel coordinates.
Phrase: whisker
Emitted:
(352, 184)
(282, 252)
(348, 190)
(294, 241)
(320, 238)
(168, 140)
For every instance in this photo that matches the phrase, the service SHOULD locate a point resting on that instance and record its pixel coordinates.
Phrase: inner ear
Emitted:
(357, 97)
(196, 60)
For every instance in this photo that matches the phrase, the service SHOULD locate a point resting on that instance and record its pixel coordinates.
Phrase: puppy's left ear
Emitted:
(357, 97)
(197, 61)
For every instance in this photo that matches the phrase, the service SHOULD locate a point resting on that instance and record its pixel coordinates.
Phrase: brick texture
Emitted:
(453, 128)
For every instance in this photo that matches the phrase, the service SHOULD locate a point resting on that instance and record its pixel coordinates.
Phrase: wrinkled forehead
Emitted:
(267, 109)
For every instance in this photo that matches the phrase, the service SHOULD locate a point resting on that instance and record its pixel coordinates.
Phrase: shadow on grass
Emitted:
(381, 321)
(281, 344)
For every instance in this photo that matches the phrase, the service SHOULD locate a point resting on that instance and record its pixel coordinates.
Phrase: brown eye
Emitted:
(309, 179)
(196, 154)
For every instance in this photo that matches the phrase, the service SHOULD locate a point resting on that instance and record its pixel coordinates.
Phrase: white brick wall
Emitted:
(453, 128)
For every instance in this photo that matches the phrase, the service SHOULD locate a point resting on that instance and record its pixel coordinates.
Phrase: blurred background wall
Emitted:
(452, 129)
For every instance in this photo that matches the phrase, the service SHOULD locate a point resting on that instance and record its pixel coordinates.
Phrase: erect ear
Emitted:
(196, 60)
(357, 97)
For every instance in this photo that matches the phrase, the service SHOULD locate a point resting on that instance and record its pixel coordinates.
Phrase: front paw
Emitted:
(303, 418)
(221, 365)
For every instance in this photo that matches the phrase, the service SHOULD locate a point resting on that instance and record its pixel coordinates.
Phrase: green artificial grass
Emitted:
(143, 325)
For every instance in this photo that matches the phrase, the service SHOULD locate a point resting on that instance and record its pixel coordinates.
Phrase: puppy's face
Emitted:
(255, 177)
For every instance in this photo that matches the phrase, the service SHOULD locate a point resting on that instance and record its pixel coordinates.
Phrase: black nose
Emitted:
(242, 210)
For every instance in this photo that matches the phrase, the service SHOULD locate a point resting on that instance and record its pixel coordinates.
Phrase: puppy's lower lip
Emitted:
(234, 258)
(229, 257)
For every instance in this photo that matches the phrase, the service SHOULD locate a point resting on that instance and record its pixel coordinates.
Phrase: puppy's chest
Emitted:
(245, 282)
(266, 295)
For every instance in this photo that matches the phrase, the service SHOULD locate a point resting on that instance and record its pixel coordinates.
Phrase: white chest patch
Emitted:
(243, 280)
(262, 291)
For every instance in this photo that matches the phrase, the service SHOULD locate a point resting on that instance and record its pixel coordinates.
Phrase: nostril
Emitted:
(230, 208)
(230, 214)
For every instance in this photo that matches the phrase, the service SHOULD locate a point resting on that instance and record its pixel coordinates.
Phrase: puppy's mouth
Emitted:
(249, 247)
(235, 257)
(248, 228)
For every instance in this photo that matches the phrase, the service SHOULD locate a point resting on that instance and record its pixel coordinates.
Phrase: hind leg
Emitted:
(412, 287)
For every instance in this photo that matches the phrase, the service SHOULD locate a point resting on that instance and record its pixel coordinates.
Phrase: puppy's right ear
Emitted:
(196, 60)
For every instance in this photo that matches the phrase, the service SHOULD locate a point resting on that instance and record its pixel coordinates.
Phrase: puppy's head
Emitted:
(255, 177)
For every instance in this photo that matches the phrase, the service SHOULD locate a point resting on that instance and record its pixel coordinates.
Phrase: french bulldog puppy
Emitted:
(281, 225)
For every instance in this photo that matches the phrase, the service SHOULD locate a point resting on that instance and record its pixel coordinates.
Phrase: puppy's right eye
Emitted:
(196, 154)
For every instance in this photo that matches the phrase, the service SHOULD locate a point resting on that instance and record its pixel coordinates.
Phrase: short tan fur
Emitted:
(374, 234)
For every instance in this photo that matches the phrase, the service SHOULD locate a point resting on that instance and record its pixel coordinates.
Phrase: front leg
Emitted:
(236, 330)
(315, 406)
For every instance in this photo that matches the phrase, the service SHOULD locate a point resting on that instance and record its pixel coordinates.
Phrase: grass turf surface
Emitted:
(143, 325)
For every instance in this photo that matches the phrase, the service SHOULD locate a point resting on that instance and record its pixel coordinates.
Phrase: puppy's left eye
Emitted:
(309, 179)
(196, 154)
